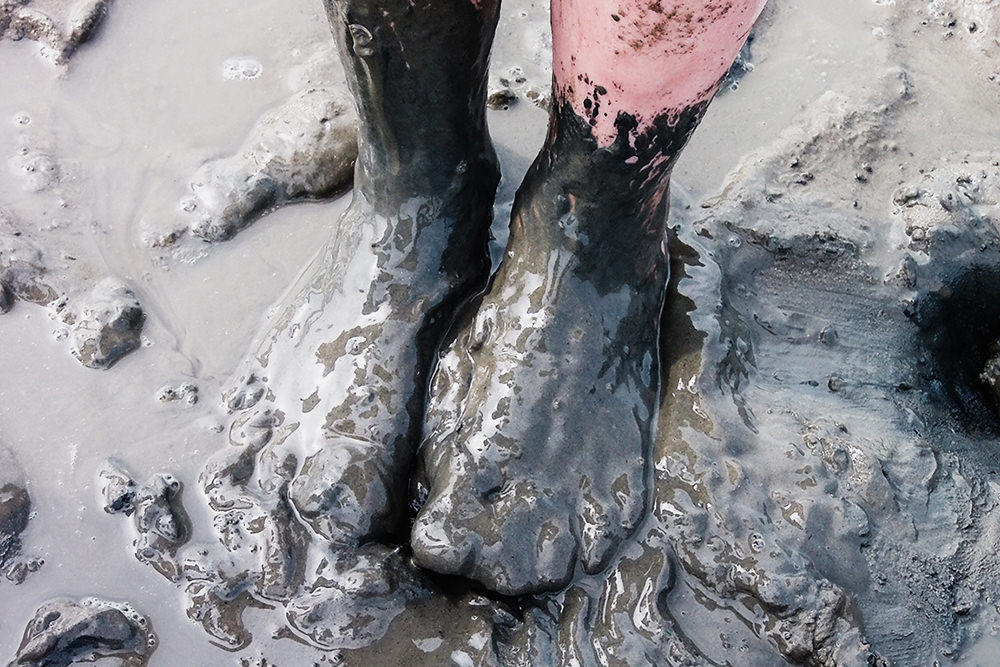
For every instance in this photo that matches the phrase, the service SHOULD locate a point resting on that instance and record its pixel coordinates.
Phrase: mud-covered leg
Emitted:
(541, 411)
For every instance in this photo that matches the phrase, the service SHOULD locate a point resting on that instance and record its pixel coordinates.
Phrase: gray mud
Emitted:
(303, 149)
(69, 632)
(823, 478)
(59, 27)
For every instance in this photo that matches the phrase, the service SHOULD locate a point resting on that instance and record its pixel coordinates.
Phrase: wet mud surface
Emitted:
(70, 632)
(822, 484)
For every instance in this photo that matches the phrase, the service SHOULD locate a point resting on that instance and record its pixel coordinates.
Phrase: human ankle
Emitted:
(605, 210)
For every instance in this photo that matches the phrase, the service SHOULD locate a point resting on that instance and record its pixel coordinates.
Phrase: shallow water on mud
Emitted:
(168, 85)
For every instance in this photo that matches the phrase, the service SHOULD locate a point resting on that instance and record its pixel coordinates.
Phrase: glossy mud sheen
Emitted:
(823, 475)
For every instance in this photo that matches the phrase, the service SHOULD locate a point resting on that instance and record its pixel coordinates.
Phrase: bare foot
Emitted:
(541, 411)
(346, 363)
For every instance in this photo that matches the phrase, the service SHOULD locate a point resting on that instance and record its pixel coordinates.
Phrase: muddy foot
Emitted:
(344, 366)
(540, 417)
(347, 362)
(311, 494)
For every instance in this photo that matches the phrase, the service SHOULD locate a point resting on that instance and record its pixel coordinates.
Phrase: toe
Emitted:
(530, 547)
(343, 493)
(441, 542)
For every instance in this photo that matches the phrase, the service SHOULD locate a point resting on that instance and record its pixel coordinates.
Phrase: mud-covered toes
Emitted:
(513, 541)
(440, 542)
(344, 492)
(355, 596)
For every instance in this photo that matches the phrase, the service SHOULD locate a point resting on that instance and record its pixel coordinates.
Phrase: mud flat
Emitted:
(824, 480)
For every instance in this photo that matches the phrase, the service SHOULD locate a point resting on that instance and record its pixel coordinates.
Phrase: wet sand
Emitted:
(825, 467)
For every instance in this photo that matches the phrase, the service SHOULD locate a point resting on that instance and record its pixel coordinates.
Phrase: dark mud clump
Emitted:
(6, 298)
(160, 522)
(60, 36)
(960, 327)
(304, 149)
(67, 632)
(102, 324)
(22, 269)
(15, 512)
(105, 324)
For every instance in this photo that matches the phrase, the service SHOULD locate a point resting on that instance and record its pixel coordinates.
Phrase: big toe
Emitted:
(343, 492)
(441, 541)
(531, 549)
(511, 542)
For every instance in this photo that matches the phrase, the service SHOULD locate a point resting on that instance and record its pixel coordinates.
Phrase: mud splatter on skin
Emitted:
(679, 29)
(689, 44)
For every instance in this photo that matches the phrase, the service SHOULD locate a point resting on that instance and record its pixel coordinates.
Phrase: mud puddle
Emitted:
(816, 499)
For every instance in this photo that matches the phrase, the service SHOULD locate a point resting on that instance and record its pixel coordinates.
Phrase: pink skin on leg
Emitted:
(651, 57)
